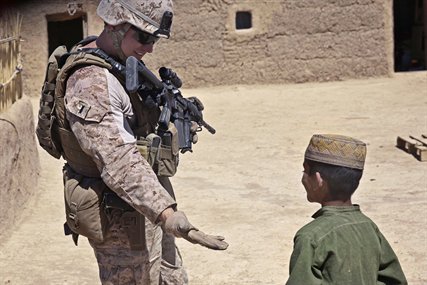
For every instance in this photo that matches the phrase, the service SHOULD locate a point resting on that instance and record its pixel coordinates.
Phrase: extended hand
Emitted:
(209, 241)
(178, 225)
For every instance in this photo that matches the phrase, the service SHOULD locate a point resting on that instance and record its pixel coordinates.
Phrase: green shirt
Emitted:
(343, 246)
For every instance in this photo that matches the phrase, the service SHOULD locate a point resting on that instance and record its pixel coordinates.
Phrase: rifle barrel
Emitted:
(208, 127)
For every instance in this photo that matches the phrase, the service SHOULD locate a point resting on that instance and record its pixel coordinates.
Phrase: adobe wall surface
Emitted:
(19, 162)
(34, 33)
(290, 41)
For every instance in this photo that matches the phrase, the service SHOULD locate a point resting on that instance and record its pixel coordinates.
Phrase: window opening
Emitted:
(243, 20)
(409, 35)
(63, 30)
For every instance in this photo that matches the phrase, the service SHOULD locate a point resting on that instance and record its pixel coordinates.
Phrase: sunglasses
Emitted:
(143, 37)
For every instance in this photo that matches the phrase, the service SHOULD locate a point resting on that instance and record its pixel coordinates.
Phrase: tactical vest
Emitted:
(53, 129)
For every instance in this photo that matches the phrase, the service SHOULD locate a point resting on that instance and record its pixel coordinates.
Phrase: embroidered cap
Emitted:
(337, 150)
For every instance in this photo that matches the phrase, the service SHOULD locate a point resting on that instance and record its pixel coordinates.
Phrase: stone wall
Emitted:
(19, 162)
(290, 41)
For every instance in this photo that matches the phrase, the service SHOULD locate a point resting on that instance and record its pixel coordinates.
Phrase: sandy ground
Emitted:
(244, 183)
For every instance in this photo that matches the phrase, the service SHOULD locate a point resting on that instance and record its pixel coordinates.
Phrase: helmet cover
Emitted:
(145, 15)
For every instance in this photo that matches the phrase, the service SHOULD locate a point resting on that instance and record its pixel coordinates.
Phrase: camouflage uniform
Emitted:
(101, 117)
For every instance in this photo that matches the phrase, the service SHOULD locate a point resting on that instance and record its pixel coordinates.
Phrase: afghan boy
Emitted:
(342, 245)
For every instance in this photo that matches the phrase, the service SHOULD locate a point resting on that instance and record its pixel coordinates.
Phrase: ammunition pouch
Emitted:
(161, 152)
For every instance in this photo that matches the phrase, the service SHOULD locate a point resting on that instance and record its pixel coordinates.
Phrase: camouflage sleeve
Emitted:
(98, 110)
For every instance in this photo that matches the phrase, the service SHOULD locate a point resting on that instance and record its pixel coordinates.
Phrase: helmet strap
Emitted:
(117, 36)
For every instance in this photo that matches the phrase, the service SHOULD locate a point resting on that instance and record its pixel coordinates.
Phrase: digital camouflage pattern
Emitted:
(131, 253)
(145, 15)
(132, 250)
(99, 124)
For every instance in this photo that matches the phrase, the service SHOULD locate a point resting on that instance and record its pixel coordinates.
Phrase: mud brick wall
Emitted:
(19, 162)
(35, 36)
(289, 41)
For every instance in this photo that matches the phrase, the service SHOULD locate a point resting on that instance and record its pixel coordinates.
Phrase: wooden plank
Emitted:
(406, 143)
(413, 145)
(420, 152)
(421, 140)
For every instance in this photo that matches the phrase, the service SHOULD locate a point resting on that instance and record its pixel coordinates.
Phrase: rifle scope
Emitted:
(168, 74)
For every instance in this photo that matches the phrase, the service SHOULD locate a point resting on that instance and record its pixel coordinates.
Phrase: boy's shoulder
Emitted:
(315, 228)
(329, 219)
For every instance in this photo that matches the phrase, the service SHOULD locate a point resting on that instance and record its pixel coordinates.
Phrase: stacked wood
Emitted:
(415, 145)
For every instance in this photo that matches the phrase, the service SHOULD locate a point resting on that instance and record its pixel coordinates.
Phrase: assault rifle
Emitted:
(165, 93)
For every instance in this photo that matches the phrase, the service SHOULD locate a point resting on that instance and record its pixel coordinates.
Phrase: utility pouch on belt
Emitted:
(84, 211)
(162, 153)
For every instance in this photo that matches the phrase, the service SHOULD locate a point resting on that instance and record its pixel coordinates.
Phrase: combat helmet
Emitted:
(151, 16)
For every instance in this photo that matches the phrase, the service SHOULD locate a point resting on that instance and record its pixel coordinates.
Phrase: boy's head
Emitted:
(333, 166)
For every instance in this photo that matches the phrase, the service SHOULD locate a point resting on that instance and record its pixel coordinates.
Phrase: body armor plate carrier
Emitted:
(53, 130)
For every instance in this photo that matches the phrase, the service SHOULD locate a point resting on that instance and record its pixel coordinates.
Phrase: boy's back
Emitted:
(343, 246)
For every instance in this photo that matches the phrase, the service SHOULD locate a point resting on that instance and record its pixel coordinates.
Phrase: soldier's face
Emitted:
(132, 47)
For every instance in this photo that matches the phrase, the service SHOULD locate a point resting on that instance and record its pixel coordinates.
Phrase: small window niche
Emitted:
(243, 20)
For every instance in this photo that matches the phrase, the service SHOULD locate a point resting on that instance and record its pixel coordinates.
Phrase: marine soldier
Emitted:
(115, 195)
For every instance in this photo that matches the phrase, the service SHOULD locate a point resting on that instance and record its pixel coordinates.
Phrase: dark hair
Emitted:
(342, 181)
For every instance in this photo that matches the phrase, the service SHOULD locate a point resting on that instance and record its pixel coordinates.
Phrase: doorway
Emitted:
(64, 29)
(410, 35)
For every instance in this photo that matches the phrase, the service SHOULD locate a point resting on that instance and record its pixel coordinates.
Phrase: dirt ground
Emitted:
(244, 183)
